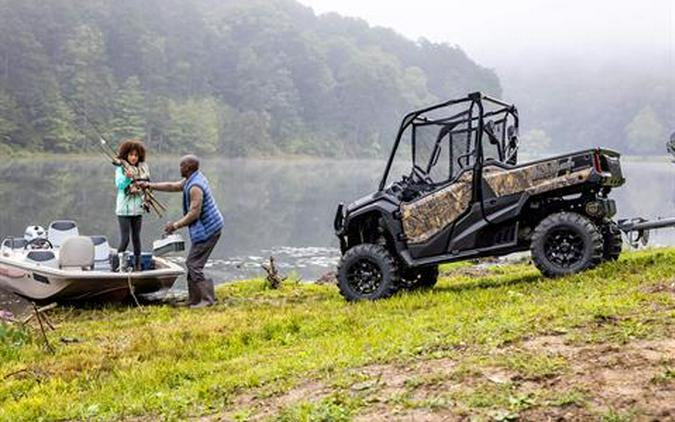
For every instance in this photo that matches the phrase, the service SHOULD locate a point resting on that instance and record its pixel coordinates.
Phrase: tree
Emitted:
(238, 77)
(645, 133)
(535, 141)
(194, 125)
(129, 118)
(86, 81)
(10, 116)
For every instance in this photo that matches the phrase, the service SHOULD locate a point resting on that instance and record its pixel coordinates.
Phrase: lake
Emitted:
(283, 208)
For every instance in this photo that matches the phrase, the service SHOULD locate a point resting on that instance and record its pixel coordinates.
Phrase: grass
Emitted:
(173, 363)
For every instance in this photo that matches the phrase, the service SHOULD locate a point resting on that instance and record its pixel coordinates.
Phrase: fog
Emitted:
(504, 34)
(582, 73)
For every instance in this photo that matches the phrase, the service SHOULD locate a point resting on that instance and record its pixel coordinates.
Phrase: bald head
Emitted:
(188, 165)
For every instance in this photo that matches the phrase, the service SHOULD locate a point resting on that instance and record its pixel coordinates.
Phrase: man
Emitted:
(204, 222)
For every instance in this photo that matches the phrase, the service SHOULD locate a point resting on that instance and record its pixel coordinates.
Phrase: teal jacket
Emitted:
(127, 204)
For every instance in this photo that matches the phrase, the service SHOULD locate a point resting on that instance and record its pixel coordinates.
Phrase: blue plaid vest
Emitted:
(210, 219)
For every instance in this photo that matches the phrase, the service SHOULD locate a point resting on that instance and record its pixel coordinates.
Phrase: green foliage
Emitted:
(237, 77)
(645, 133)
(535, 141)
(194, 124)
(10, 118)
(129, 113)
(12, 339)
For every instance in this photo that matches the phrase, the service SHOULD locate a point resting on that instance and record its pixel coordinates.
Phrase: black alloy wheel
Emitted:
(367, 272)
(364, 276)
(566, 243)
(564, 247)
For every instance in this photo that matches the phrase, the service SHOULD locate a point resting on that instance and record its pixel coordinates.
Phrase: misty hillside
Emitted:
(231, 77)
(570, 104)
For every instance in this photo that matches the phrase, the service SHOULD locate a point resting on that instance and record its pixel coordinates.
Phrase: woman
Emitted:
(130, 204)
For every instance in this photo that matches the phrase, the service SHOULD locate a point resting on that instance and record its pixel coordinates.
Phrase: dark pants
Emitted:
(200, 288)
(130, 224)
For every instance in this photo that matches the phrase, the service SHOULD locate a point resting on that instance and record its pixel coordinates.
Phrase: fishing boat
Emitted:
(62, 265)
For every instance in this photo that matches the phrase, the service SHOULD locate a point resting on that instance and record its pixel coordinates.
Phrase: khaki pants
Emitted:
(200, 289)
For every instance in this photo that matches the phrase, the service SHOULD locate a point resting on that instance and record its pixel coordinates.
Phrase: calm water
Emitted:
(275, 207)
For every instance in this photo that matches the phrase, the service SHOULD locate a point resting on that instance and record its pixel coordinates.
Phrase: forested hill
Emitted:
(227, 77)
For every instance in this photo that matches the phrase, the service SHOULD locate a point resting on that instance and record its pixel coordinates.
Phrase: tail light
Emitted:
(596, 162)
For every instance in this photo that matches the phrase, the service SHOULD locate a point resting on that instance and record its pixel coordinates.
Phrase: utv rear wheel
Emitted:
(566, 243)
(367, 271)
(612, 241)
(419, 278)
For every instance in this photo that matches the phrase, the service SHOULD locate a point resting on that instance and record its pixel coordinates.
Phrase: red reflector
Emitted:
(596, 162)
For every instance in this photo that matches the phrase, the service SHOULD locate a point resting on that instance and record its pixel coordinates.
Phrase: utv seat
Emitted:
(77, 253)
(61, 230)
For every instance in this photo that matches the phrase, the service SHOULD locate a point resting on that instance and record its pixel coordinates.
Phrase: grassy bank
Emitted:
(497, 343)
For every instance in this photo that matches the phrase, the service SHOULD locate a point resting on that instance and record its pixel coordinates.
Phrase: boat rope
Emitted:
(132, 290)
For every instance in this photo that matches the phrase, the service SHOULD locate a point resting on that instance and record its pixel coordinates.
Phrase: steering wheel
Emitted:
(466, 157)
(39, 243)
(421, 175)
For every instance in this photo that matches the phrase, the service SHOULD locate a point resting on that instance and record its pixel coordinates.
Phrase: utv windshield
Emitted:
(444, 138)
(441, 151)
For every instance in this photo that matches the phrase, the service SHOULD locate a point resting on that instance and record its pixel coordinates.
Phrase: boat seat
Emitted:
(14, 243)
(101, 253)
(77, 253)
(43, 258)
(60, 230)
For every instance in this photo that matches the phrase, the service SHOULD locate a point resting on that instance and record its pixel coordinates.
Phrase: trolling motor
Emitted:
(168, 244)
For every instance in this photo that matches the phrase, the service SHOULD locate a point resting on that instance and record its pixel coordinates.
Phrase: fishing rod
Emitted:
(109, 153)
(128, 167)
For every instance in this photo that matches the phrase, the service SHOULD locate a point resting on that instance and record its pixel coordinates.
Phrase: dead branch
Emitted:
(40, 310)
(11, 374)
(273, 279)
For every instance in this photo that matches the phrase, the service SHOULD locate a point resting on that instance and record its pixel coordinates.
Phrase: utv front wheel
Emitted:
(566, 243)
(419, 278)
(369, 272)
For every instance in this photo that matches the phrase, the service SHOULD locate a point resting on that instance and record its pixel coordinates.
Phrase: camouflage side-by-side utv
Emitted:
(465, 196)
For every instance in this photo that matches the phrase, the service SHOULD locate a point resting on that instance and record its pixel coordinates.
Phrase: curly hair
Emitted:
(130, 145)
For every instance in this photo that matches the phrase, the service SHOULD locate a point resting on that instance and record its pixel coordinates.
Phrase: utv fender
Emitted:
(383, 211)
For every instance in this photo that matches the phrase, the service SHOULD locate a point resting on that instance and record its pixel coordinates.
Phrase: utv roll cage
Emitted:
(471, 120)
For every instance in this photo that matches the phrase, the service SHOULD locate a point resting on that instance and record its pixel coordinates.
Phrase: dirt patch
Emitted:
(660, 288)
(479, 270)
(17, 305)
(261, 404)
(634, 379)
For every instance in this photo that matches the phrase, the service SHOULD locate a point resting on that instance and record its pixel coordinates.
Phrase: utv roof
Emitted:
(477, 97)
